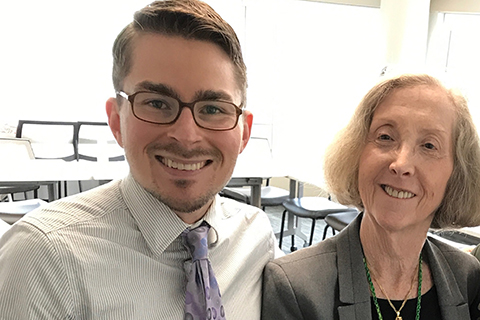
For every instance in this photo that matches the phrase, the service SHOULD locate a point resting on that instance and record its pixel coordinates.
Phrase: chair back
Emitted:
(97, 143)
(50, 139)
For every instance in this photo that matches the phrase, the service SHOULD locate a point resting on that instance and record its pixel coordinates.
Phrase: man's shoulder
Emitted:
(79, 208)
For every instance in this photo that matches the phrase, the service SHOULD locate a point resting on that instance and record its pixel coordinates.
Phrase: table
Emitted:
(251, 171)
(49, 172)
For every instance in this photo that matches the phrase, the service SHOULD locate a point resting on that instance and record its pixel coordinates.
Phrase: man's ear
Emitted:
(113, 113)
(247, 128)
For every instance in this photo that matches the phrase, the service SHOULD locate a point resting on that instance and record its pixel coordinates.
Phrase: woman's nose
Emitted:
(403, 161)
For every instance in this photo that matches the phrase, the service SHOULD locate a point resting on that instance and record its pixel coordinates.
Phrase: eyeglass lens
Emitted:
(162, 109)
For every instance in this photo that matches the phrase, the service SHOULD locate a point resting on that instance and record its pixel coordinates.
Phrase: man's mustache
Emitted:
(178, 150)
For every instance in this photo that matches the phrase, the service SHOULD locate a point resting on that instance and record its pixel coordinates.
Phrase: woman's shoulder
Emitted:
(459, 261)
(321, 254)
(305, 270)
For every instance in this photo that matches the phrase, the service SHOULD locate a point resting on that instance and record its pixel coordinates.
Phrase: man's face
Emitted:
(182, 164)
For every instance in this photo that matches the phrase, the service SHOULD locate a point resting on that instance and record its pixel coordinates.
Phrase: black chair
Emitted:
(96, 141)
(269, 195)
(51, 140)
(338, 221)
(93, 135)
(10, 191)
(309, 207)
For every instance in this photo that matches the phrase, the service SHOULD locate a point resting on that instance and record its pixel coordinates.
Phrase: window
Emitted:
(454, 54)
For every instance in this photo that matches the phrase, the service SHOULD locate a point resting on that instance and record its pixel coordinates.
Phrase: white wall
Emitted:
(55, 58)
(308, 62)
(309, 65)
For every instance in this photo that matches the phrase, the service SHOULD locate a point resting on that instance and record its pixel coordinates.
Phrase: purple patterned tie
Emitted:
(202, 296)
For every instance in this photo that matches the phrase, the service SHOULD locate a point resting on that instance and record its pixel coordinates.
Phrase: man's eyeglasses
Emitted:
(158, 108)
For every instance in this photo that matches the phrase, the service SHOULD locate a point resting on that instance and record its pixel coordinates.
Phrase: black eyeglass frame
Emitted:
(131, 98)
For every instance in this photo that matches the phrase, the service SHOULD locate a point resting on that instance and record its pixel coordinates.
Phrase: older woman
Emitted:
(410, 160)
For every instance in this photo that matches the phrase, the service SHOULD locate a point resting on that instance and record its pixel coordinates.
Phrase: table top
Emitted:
(59, 170)
(3, 227)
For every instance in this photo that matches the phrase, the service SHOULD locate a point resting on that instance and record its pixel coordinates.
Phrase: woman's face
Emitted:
(408, 158)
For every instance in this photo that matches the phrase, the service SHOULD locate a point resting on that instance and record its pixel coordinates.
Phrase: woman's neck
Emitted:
(392, 257)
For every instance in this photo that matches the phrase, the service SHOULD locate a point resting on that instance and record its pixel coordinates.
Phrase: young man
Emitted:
(117, 251)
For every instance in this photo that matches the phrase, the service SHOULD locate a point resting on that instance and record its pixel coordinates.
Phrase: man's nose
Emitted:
(185, 129)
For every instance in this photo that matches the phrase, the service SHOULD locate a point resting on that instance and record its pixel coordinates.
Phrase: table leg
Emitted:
(293, 226)
(256, 195)
(51, 191)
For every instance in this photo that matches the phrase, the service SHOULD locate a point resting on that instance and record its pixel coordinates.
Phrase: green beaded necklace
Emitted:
(419, 297)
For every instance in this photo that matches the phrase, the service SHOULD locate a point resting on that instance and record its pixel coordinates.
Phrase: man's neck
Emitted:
(192, 217)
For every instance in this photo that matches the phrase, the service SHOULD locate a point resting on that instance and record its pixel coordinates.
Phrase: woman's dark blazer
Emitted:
(328, 280)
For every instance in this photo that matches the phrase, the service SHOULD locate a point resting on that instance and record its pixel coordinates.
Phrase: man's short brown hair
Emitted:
(190, 19)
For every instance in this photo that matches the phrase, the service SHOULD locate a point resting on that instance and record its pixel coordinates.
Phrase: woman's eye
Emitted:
(384, 137)
(429, 145)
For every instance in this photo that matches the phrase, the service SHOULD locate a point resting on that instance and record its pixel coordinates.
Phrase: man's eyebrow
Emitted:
(213, 95)
(156, 87)
(169, 91)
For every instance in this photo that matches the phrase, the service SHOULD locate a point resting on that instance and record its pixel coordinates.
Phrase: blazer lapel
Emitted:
(452, 303)
(354, 293)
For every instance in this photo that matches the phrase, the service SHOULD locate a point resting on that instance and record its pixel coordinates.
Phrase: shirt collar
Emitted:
(159, 225)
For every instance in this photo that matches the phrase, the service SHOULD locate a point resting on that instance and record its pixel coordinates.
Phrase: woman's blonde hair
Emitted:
(460, 206)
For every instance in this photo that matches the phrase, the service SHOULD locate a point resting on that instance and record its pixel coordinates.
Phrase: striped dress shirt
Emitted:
(115, 252)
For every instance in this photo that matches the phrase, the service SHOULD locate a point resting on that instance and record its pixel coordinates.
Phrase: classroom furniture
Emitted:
(10, 191)
(18, 149)
(338, 221)
(85, 148)
(309, 207)
(12, 211)
(51, 140)
(47, 172)
(3, 227)
(269, 195)
(95, 140)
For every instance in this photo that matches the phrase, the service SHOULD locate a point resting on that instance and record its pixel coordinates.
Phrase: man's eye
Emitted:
(158, 104)
(211, 109)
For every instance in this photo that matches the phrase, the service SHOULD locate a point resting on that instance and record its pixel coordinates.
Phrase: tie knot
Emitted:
(195, 240)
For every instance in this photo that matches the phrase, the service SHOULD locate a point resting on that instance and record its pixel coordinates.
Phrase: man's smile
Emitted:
(183, 166)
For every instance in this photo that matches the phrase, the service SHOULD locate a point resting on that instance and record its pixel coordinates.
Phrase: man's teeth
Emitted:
(398, 194)
(182, 166)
